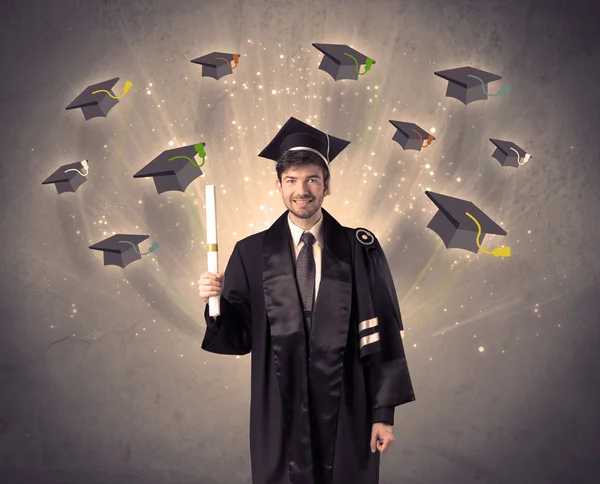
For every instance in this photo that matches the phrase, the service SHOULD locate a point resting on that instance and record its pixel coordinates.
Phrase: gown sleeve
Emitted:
(386, 371)
(230, 333)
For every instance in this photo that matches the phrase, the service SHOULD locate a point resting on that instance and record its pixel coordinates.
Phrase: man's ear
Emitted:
(278, 186)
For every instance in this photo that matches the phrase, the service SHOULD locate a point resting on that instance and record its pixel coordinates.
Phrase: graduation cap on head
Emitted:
(410, 136)
(175, 169)
(217, 64)
(509, 154)
(122, 249)
(295, 135)
(68, 178)
(343, 62)
(461, 225)
(468, 84)
(98, 99)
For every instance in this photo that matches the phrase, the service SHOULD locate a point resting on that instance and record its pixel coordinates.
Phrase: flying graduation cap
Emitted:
(122, 249)
(410, 136)
(217, 64)
(175, 169)
(509, 154)
(68, 178)
(343, 62)
(98, 99)
(461, 225)
(468, 84)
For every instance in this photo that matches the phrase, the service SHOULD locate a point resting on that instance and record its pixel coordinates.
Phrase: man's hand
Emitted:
(210, 285)
(381, 437)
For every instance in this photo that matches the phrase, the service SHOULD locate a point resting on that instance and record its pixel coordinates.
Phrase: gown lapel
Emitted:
(328, 339)
(310, 388)
(286, 320)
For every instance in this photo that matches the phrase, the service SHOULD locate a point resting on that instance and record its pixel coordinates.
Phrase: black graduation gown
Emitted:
(311, 410)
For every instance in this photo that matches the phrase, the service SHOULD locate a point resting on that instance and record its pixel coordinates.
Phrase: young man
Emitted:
(316, 305)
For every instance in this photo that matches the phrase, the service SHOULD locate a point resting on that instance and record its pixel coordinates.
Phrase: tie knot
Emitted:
(308, 238)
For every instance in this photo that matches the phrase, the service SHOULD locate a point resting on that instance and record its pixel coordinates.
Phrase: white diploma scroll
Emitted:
(211, 245)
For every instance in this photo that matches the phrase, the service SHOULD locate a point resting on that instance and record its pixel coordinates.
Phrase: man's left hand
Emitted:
(381, 437)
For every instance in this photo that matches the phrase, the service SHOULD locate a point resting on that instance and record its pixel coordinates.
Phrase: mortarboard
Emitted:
(410, 136)
(217, 64)
(98, 99)
(122, 249)
(461, 225)
(68, 178)
(468, 84)
(343, 62)
(509, 154)
(175, 169)
(295, 135)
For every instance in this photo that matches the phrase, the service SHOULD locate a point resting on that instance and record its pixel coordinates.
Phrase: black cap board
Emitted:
(410, 136)
(469, 84)
(509, 154)
(296, 135)
(120, 249)
(95, 105)
(173, 170)
(343, 62)
(68, 178)
(217, 64)
(456, 229)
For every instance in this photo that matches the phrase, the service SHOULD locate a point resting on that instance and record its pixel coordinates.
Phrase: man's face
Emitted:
(303, 190)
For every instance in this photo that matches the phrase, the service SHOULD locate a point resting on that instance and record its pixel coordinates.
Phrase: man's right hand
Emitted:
(210, 285)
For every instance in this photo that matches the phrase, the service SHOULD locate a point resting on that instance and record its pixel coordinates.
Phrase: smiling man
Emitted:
(315, 304)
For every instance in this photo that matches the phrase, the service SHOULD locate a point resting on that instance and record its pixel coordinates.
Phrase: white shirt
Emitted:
(317, 247)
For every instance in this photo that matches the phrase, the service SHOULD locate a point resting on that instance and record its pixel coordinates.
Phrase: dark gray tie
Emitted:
(305, 275)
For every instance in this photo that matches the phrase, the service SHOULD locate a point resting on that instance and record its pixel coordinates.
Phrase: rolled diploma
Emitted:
(211, 243)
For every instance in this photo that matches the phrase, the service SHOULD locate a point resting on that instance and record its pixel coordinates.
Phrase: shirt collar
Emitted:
(297, 231)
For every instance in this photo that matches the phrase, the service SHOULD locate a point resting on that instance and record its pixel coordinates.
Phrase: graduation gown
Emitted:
(314, 397)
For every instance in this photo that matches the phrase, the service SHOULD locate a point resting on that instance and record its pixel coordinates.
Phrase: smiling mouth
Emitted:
(303, 202)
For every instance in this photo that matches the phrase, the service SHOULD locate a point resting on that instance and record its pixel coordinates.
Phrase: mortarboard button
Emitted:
(509, 154)
(217, 64)
(461, 225)
(68, 178)
(410, 136)
(468, 84)
(98, 99)
(175, 169)
(122, 249)
(343, 62)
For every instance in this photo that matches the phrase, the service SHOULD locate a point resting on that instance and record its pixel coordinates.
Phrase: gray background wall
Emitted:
(102, 375)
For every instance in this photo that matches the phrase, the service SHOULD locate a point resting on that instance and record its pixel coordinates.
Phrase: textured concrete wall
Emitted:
(102, 375)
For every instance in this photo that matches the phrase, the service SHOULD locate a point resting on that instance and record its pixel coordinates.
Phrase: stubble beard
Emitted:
(306, 213)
